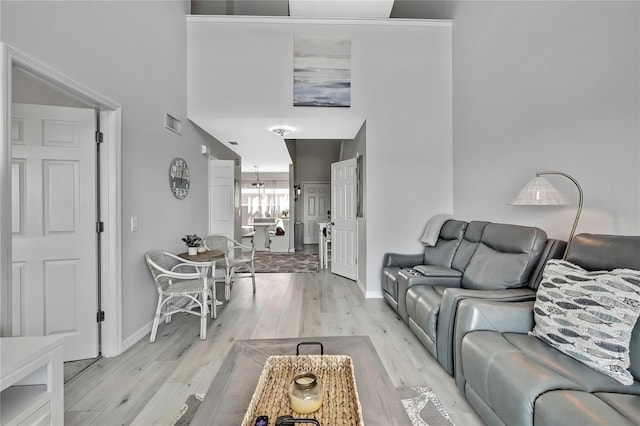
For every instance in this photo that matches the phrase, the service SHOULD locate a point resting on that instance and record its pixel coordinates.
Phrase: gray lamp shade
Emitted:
(539, 192)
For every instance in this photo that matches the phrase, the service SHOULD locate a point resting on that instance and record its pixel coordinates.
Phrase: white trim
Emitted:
(138, 335)
(377, 294)
(59, 81)
(111, 192)
(241, 19)
(110, 123)
(5, 194)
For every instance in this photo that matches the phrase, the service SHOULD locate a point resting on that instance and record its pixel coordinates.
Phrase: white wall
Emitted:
(313, 164)
(548, 86)
(314, 158)
(401, 84)
(26, 89)
(134, 53)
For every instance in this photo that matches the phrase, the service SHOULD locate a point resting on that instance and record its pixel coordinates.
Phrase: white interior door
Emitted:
(344, 246)
(317, 202)
(221, 198)
(54, 284)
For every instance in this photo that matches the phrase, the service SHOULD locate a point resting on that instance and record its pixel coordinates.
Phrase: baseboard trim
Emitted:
(374, 294)
(135, 337)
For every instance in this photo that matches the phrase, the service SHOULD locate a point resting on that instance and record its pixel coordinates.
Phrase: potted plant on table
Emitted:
(192, 242)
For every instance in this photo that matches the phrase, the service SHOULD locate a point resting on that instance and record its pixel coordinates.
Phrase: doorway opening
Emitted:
(63, 193)
(314, 162)
(265, 204)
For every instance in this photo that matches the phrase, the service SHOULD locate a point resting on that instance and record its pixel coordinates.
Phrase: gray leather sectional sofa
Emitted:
(470, 260)
(513, 378)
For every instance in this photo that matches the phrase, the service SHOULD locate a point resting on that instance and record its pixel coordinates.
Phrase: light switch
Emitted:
(134, 223)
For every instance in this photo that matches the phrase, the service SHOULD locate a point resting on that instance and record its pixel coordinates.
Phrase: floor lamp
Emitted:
(540, 192)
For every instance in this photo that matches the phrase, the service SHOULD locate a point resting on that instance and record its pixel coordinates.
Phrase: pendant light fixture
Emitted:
(257, 183)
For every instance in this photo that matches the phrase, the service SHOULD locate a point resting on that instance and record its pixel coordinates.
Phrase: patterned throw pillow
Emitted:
(589, 315)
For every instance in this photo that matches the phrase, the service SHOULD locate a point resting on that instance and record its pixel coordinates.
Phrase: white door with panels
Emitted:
(53, 176)
(317, 203)
(344, 196)
(221, 198)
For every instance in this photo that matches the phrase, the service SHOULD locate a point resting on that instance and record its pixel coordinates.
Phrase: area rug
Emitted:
(423, 407)
(421, 404)
(265, 262)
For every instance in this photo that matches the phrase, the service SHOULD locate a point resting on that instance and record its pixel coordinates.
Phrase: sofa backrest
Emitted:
(505, 257)
(468, 245)
(554, 249)
(595, 252)
(449, 239)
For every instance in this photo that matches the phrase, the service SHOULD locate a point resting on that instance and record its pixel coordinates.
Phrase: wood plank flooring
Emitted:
(148, 383)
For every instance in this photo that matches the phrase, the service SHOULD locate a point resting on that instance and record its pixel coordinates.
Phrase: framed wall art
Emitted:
(322, 71)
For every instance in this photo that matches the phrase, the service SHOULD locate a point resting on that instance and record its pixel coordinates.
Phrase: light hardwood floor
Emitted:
(149, 382)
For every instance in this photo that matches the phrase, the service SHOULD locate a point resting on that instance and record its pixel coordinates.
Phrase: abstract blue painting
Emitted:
(322, 71)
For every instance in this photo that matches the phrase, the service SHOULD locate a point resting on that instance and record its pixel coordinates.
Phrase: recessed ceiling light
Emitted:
(281, 131)
(233, 143)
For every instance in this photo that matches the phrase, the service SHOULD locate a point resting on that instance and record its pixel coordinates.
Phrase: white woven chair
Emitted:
(233, 264)
(197, 286)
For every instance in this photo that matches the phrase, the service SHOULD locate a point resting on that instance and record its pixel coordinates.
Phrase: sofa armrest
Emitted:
(448, 315)
(402, 260)
(473, 315)
(435, 276)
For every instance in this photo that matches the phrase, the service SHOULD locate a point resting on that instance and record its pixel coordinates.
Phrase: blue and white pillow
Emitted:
(589, 315)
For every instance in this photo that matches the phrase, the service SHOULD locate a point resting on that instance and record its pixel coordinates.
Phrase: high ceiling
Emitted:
(255, 143)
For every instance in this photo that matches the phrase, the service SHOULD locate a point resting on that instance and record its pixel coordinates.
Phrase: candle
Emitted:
(305, 393)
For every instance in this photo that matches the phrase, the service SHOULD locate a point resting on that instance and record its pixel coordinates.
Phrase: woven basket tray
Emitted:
(340, 403)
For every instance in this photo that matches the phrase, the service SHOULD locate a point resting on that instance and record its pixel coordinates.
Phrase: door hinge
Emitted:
(99, 227)
(99, 137)
(100, 316)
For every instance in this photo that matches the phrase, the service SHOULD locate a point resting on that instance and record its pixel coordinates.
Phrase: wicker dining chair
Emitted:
(234, 263)
(197, 285)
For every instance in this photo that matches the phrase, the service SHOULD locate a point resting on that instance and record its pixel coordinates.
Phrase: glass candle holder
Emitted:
(305, 393)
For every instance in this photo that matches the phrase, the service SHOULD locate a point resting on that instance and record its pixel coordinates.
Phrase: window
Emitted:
(268, 200)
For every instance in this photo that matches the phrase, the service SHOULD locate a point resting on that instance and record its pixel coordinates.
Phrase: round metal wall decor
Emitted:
(179, 178)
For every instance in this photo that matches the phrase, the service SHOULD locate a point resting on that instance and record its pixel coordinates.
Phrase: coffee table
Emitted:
(229, 395)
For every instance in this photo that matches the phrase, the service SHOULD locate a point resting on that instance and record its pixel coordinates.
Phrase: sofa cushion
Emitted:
(423, 305)
(604, 252)
(508, 380)
(390, 280)
(505, 257)
(468, 245)
(587, 379)
(441, 254)
(583, 409)
(589, 316)
(626, 404)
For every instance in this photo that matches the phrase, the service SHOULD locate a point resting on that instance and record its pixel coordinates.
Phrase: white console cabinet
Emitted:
(31, 381)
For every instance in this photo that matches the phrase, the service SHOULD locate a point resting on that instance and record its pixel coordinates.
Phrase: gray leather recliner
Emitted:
(436, 258)
(510, 377)
(489, 260)
(500, 267)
